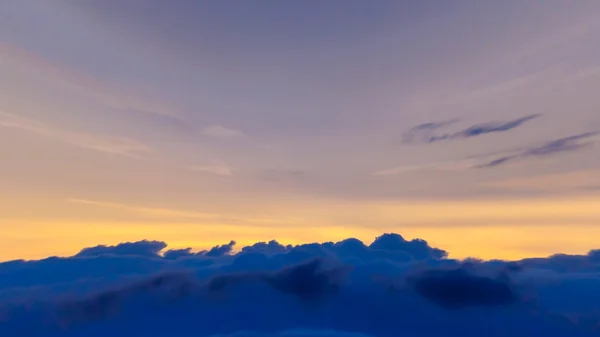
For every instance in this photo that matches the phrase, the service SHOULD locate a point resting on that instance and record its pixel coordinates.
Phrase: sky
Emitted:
(471, 124)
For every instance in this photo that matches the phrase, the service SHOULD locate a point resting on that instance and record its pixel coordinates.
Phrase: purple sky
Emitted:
(115, 111)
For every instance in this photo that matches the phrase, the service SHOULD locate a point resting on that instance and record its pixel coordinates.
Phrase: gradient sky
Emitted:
(472, 124)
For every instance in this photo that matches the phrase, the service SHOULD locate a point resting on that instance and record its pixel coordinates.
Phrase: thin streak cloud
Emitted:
(147, 211)
(94, 87)
(560, 182)
(117, 145)
(547, 149)
(457, 165)
(425, 133)
(221, 132)
(217, 167)
(177, 214)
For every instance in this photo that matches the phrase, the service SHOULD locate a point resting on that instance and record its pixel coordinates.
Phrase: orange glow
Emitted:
(484, 229)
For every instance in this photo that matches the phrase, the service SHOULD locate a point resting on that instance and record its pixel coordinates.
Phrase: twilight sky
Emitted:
(472, 124)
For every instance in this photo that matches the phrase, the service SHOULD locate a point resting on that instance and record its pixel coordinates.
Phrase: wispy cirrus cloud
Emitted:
(456, 165)
(490, 160)
(547, 149)
(221, 132)
(422, 133)
(171, 214)
(147, 211)
(94, 87)
(559, 182)
(112, 144)
(217, 167)
(426, 133)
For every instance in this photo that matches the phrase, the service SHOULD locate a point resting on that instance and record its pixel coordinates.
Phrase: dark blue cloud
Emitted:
(296, 333)
(268, 248)
(458, 288)
(141, 248)
(392, 287)
(547, 149)
(423, 133)
(418, 249)
(490, 127)
(221, 250)
(426, 133)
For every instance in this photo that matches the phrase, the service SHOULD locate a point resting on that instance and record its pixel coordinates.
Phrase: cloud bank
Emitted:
(391, 287)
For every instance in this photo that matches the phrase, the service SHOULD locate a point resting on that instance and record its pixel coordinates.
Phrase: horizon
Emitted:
(480, 229)
(236, 248)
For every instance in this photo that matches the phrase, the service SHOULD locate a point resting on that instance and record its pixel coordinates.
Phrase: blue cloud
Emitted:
(425, 133)
(296, 333)
(547, 149)
(392, 287)
(141, 248)
(458, 288)
(490, 127)
(221, 250)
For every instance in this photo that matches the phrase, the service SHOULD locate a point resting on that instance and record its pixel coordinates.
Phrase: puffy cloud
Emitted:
(459, 288)
(221, 250)
(141, 248)
(392, 287)
(268, 248)
(417, 248)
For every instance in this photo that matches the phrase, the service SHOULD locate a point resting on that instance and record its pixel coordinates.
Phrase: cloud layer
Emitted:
(392, 287)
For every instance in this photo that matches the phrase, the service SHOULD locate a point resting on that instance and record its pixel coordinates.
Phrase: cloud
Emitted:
(425, 133)
(92, 86)
(547, 149)
(221, 250)
(283, 175)
(267, 248)
(422, 133)
(296, 333)
(141, 248)
(391, 287)
(451, 165)
(560, 182)
(178, 214)
(104, 143)
(417, 248)
(217, 167)
(307, 281)
(458, 288)
(491, 127)
(147, 211)
(221, 132)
